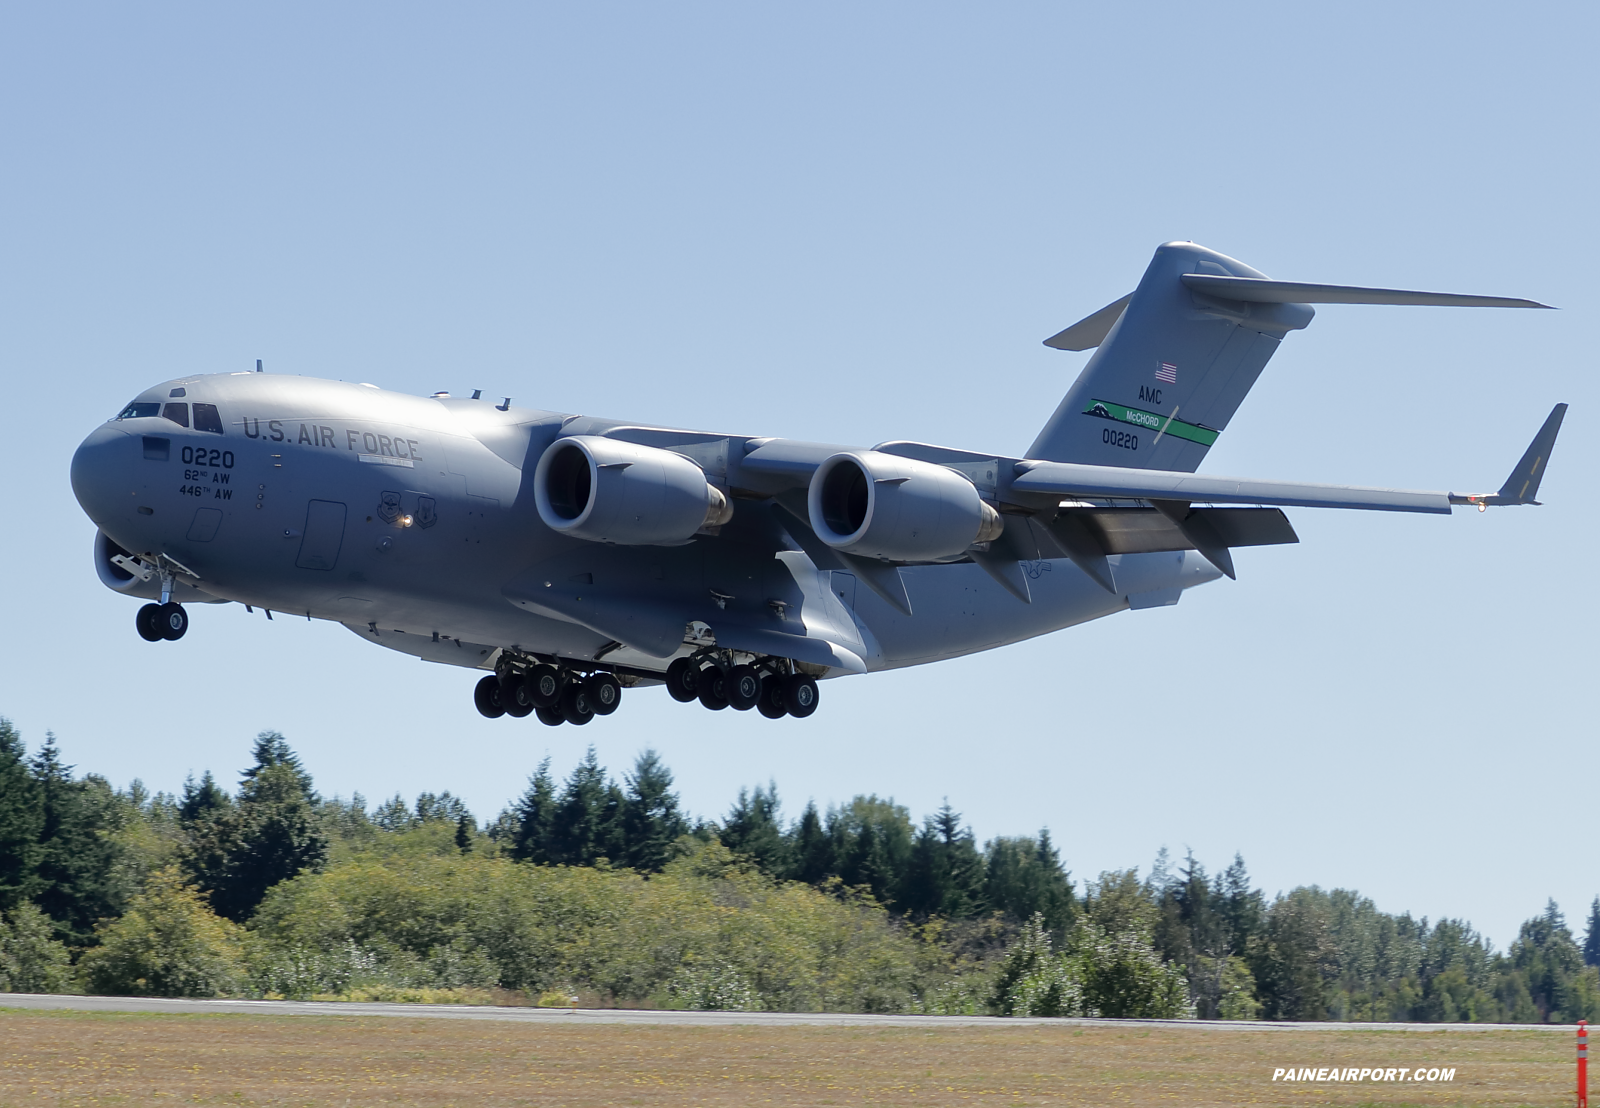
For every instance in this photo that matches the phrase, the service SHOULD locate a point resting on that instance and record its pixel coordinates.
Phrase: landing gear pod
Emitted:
(604, 490)
(881, 506)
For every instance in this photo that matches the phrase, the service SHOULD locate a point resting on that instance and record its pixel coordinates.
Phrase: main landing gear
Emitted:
(772, 686)
(162, 621)
(556, 695)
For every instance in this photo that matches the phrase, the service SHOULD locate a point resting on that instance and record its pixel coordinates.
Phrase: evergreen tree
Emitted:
(752, 829)
(588, 817)
(73, 875)
(21, 818)
(272, 749)
(202, 800)
(872, 844)
(1591, 936)
(651, 819)
(811, 855)
(442, 808)
(533, 819)
(946, 873)
(273, 833)
(466, 827)
(1023, 877)
(1241, 907)
(393, 814)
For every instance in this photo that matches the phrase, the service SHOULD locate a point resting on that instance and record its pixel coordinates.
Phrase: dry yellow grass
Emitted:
(72, 1058)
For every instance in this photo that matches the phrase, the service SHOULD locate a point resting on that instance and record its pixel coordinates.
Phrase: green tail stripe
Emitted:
(1152, 421)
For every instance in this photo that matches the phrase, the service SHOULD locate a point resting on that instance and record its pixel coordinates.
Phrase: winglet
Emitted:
(1523, 484)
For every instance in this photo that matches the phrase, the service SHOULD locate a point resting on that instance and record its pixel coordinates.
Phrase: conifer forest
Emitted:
(600, 890)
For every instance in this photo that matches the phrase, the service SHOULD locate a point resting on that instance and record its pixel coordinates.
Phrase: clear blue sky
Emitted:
(856, 223)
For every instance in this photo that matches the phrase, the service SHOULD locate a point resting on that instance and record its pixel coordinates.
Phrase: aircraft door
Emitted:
(324, 535)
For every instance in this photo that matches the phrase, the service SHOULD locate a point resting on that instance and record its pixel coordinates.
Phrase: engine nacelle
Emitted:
(144, 584)
(881, 506)
(605, 490)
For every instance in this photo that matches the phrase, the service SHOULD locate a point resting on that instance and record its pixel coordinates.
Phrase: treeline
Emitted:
(608, 891)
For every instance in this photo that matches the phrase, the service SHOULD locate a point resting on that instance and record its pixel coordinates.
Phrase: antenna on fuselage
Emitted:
(504, 407)
(477, 394)
(258, 365)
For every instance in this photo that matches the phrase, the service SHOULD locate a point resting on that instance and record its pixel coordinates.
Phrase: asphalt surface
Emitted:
(42, 1001)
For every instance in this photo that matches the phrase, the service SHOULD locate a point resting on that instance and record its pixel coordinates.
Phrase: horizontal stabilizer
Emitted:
(1090, 331)
(1523, 484)
(1067, 480)
(1258, 290)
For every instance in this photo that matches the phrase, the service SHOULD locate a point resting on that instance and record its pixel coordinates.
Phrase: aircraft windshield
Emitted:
(207, 418)
(138, 411)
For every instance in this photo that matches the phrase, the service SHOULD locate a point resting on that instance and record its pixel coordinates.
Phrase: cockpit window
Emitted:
(178, 413)
(207, 418)
(139, 411)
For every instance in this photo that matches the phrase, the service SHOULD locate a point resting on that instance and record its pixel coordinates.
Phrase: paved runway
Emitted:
(38, 1001)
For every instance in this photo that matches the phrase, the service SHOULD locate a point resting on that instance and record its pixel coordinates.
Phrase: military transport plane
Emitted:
(572, 557)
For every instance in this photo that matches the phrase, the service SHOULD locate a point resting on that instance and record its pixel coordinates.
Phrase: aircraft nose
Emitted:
(102, 472)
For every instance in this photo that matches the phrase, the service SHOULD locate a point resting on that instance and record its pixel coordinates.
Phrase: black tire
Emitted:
(744, 688)
(487, 697)
(772, 704)
(550, 717)
(544, 686)
(800, 695)
(681, 681)
(172, 620)
(517, 697)
(575, 706)
(713, 688)
(148, 621)
(604, 692)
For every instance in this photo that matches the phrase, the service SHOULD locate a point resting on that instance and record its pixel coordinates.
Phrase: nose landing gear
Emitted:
(162, 621)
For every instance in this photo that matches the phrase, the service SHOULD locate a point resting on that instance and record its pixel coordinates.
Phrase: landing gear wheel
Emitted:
(604, 692)
(575, 707)
(744, 688)
(772, 705)
(172, 620)
(517, 696)
(550, 717)
(800, 695)
(544, 686)
(148, 621)
(713, 688)
(681, 681)
(487, 697)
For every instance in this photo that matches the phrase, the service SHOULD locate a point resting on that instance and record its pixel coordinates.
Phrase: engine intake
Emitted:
(881, 506)
(605, 490)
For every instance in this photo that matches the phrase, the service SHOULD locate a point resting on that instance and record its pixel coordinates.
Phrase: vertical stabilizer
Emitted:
(1170, 371)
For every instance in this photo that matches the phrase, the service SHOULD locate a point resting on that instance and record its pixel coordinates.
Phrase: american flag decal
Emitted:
(1167, 372)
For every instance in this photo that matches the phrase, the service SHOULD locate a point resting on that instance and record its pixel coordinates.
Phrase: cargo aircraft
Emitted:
(570, 557)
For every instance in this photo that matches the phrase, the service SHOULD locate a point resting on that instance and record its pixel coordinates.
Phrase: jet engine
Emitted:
(604, 490)
(122, 572)
(880, 506)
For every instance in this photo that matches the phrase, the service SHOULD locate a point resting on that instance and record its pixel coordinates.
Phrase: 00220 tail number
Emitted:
(1119, 438)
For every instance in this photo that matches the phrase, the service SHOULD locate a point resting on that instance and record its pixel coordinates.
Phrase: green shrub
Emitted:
(168, 943)
(708, 929)
(31, 959)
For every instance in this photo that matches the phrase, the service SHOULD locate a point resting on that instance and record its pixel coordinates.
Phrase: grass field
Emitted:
(72, 1058)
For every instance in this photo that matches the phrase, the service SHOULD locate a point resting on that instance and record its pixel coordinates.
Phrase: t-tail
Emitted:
(1178, 355)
